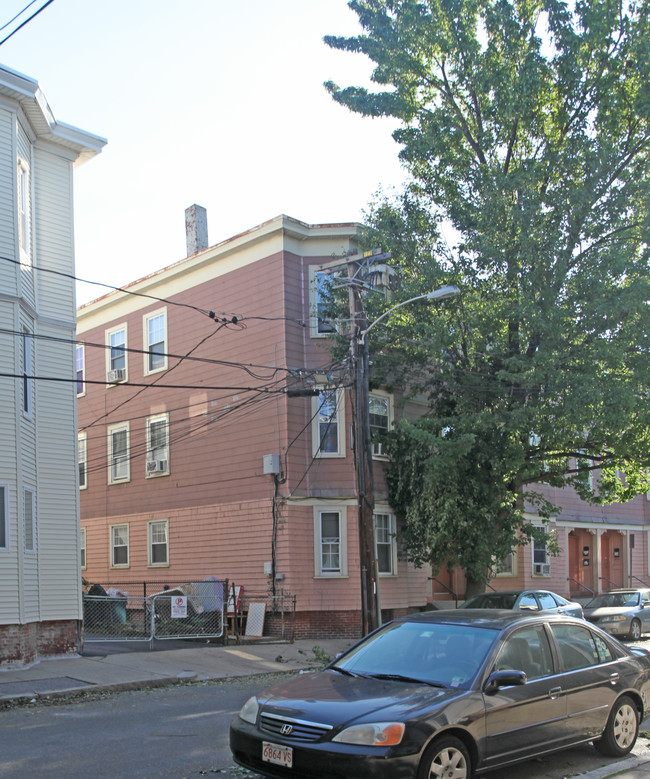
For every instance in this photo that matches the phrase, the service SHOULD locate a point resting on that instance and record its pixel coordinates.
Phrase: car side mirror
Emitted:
(498, 679)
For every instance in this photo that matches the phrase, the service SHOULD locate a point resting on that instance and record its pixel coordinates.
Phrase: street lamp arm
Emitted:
(437, 294)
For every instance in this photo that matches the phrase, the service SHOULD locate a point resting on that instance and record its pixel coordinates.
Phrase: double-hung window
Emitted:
(82, 547)
(116, 357)
(321, 288)
(385, 543)
(379, 421)
(158, 542)
(330, 542)
(28, 372)
(82, 460)
(118, 453)
(541, 565)
(4, 517)
(29, 520)
(23, 208)
(80, 367)
(155, 339)
(119, 546)
(158, 445)
(327, 424)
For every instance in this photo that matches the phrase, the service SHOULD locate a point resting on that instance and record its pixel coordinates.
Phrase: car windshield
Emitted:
(614, 600)
(492, 600)
(435, 653)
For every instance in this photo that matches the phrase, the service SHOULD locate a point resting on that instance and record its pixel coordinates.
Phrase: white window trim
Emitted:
(82, 548)
(127, 564)
(342, 512)
(546, 555)
(26, 500)
(28, 362)
(145, 340)
(83, 368)
(508, 574)
(5, 502)
(107, 336)
(24, 215)
(113, 429)
(83, 437)
(340, 422)
(314, 271)
(148, 421)
(150, 562)
(393, 543)
(377, 449)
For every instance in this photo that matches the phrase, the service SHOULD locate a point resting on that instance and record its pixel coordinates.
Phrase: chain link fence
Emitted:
(211, 608)
(189, 610)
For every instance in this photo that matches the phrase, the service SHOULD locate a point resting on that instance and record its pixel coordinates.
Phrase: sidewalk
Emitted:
(128, 670)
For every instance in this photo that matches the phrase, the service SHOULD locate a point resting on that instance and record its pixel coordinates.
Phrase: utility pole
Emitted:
(357, 270)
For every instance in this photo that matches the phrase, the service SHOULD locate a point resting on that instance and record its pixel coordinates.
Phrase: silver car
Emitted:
(526, 600)
(622, 613)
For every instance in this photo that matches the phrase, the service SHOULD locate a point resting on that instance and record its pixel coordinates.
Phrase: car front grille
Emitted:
(292, 729)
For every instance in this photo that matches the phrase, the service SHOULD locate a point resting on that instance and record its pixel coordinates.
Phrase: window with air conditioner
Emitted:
(380, 408)
(116, 355)
(541, 565)
(119, 469)
(157, 461)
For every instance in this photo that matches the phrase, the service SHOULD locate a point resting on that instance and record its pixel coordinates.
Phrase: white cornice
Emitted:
(27, 94)
(283, 233)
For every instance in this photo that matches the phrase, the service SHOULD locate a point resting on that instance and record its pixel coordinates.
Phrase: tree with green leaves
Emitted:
(525, 130)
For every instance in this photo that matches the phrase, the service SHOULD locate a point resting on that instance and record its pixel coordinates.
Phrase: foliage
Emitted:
(525, 128)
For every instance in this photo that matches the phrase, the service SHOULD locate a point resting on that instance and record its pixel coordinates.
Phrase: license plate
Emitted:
(279, 755)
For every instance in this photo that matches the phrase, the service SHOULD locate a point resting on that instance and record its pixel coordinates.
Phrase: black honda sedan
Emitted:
(449, 693)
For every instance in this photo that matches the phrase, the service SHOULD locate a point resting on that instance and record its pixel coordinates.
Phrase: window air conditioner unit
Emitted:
(542, 569)
(119, 374)
(156, 466)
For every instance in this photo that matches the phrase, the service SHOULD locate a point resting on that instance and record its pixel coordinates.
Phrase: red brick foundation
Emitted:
(327, 624)
(24, 644)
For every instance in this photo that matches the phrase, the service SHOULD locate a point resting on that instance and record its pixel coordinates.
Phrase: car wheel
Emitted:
(635, 630)
(621, 730)
(445, 757)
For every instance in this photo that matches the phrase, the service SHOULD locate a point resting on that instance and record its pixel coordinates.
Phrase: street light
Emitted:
(367, 543)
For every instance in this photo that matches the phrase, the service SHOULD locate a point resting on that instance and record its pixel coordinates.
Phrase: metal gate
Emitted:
(192, 610)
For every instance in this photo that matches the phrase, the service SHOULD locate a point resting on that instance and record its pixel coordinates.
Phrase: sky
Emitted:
(215, 102)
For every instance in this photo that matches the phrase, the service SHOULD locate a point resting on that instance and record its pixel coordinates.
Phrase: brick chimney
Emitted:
(196, 229)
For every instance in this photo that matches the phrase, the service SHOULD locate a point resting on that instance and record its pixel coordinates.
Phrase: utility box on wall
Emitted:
(272, 463)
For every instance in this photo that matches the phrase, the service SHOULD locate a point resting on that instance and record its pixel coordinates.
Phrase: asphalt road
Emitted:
(178, 733)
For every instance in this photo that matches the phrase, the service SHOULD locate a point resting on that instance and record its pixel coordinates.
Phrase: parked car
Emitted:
(624, 613)
(447, 693)
(533, 600)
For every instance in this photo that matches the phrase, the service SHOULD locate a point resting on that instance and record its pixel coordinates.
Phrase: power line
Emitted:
(20, 26)
(6, 24)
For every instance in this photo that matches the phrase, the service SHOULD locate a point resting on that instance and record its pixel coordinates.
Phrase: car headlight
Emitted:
(616, 618)
(249, 710)
(377, 734)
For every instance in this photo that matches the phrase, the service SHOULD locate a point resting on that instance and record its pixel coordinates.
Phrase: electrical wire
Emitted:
(20, 13)
(20, 26)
